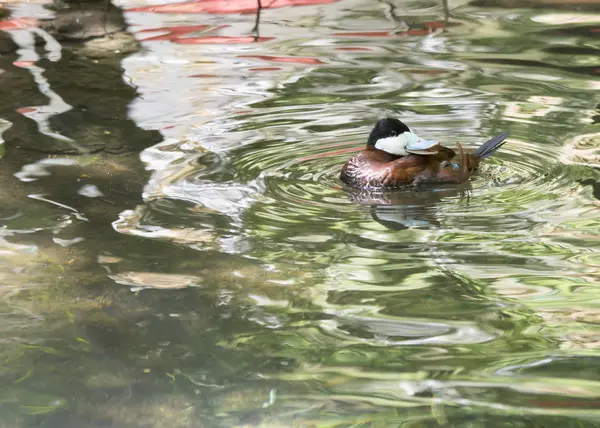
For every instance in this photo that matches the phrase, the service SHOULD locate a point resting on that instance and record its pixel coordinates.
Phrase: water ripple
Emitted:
(274, 295)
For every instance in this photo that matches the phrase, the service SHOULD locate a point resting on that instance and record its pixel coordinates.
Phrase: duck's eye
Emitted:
(393, 133)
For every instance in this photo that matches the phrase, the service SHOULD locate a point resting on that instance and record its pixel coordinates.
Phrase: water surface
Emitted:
(224, 277)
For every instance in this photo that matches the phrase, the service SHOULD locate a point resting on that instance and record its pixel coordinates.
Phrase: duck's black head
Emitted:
(385, 128)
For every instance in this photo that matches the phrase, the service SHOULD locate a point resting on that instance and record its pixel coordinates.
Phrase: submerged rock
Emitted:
(98, 120)
(172, 410)
(96, 20)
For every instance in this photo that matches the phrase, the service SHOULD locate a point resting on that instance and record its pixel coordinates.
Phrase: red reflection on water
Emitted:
(173, 33)
(299, 60)
(17, 24)
(25, 110)
(218, 40)
(265, 69)
(415, 32)
(24, 64)
(224, 6)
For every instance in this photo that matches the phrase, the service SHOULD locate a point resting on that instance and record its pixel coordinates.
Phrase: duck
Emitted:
(397, 157)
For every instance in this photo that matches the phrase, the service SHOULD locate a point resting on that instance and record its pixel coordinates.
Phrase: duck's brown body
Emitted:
(373, 168)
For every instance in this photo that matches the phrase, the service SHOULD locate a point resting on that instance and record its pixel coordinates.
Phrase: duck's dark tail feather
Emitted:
(489, 147)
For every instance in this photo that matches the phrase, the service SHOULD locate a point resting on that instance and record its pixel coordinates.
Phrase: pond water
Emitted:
(177, 249)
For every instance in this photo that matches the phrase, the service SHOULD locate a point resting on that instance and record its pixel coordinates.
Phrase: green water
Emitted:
(217, 274)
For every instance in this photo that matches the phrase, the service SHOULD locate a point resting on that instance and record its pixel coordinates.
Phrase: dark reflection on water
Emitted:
(229, 279)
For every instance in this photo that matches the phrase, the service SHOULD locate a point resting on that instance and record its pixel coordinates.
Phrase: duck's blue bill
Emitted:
(422, 146)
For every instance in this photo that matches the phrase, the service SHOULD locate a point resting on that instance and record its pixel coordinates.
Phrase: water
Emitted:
(186, 257)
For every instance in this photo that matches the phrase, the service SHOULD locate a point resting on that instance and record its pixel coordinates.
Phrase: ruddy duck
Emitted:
(397, 157)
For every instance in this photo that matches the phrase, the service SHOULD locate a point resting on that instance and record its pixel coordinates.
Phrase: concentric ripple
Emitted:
(303, 173)
(302, 177)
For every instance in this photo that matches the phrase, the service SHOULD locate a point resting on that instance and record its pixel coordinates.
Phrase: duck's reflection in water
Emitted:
(408, 207)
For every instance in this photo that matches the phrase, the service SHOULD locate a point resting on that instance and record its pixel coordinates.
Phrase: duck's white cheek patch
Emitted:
(393, 145)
